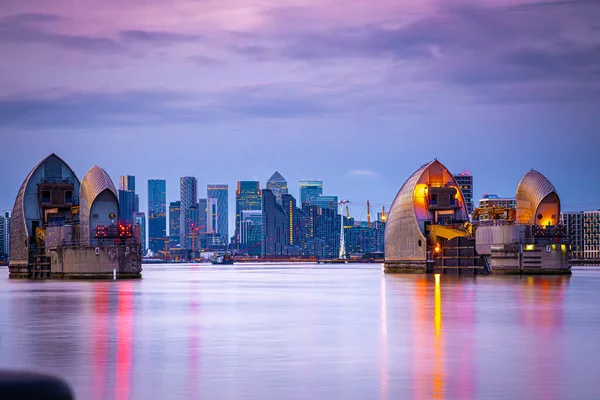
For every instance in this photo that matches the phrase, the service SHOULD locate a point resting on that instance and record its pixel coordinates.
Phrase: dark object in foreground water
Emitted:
(30, 385)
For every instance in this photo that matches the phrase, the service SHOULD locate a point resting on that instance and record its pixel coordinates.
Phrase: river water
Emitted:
(308, 332)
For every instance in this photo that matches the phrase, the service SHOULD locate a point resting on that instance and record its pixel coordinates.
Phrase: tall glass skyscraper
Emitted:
(157, 214)
(221, 193)
(309, 190)
(278, 185)
(139, 218)
(174, 223)
(189, 199)
(127, 198)
(248, 197)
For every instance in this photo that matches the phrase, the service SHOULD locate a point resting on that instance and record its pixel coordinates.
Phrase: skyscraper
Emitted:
(139, 218)
(4, 235)
(212, 215)
(275, 226)
(278, 185)
(157, 214)
(465, 182)
(174, 223)
(127, 198)
(221, 193)
(310, 189)
(202, 221)
(324, 202)
(188, 198)
(248, 197)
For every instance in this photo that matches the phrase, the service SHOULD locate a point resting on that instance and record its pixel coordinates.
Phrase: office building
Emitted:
(465, 183)
(212, 215)
(248, 197)
(4, 235)
(127, 199)
(174, 223)
(202, 222)
(157, 215)
(275, 228)
(188, 191)
(310, 189)
(493, 200)
(278, 185)
(221, 193)
(140, 219)
(251, 232)
(583, 231)
(324, 202)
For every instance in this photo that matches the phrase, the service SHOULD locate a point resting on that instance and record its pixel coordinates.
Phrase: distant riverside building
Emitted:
(492, 200)
(4, 235)
(324, 202)
(127, 198)
(583, 230)
(278, 185)
(310, 189)
(157, 215)
(212, 215)
(251, 232)
(174, 223)
(492, 207)
(202, 222)
(248, 197)
(139, 218)
(221, 193)
(275, 229)
(465, 183)
(188, 191)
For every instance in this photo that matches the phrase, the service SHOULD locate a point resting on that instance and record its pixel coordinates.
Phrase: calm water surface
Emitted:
(308, 332)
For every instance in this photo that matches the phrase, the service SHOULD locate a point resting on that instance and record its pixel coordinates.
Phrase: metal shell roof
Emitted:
(95, 182)
(532, 190)
(19, 236)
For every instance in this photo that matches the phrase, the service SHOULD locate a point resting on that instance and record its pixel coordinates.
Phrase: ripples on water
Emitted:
(308, 332)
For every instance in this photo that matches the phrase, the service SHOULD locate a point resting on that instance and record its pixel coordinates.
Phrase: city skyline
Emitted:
(355, 99)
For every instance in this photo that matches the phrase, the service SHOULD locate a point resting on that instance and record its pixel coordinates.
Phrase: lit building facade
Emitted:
(248, 197)
(127, 198)
(157, 215)
(275, 226)
(310, 189)
(188, 191)
(4, 235)
(251, 232)
(583, 230)
(212, 215)
(278, 185)
(174, 223)
(493, 200)
(324, 202)
(465, 183)
(423, 215)
(221, 194)
(140, 219)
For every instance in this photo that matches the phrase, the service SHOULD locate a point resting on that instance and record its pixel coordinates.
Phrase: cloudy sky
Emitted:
(357, 93)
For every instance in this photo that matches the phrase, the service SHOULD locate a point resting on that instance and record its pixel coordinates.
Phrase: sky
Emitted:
(357, 93)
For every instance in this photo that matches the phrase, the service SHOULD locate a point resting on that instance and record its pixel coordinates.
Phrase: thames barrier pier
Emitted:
(429, 229)
(63, 228)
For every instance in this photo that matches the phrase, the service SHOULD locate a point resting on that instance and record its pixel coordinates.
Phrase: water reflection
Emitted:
(303, 333)
(124, 341)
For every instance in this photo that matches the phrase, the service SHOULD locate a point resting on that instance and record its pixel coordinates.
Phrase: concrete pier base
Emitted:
(405, 267)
